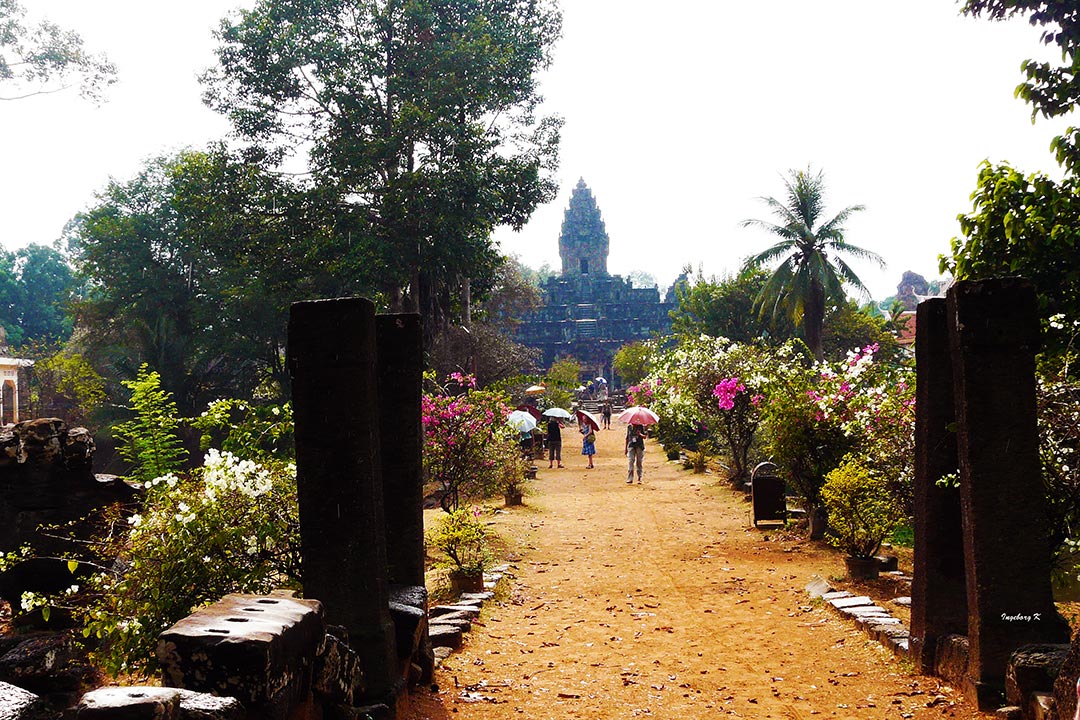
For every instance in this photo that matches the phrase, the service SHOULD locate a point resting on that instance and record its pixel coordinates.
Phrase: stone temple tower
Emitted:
(583, 241)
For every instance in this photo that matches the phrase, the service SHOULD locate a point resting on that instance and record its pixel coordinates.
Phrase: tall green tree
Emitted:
(811, 274)
(191, 266)
(419, 118)
(36, 287)
(45, 58)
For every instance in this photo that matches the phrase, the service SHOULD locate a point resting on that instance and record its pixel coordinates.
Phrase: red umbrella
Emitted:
(587, 418)
(638, 415)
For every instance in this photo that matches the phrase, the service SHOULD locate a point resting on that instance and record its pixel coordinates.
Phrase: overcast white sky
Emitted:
(679, 115)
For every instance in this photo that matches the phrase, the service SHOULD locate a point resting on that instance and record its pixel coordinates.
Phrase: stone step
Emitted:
(445, 636)
(472, 611)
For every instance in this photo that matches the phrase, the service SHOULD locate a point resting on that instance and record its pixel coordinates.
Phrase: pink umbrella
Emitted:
(637, 415)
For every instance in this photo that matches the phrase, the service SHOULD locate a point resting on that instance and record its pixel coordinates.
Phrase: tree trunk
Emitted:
(466, 302)
(814, 320)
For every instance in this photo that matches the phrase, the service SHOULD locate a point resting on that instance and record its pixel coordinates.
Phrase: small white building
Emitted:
(9, 388)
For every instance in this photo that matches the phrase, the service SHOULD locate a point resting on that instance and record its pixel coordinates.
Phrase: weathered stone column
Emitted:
(332, 359)
(993, 336)
(400, 376)
(938, 591)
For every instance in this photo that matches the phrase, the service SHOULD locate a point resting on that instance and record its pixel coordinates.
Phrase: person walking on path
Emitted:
(606, 412)
(554, 439)
(588, 443)
(634, 449)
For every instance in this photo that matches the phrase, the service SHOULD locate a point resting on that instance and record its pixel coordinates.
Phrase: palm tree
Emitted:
(811, 272)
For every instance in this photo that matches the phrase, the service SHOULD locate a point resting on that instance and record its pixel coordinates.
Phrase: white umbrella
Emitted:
(587, 418)
(601, 380)
(521, 421)
(535, 390)
(558, 412)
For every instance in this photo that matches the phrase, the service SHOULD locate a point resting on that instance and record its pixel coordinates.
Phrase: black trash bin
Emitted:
(767, 494)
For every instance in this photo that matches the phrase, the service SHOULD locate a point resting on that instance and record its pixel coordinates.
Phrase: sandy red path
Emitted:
(662, 600)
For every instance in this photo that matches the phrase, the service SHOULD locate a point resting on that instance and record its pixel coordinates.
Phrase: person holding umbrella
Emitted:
(588, 425)
(554, 437)
(634, 449)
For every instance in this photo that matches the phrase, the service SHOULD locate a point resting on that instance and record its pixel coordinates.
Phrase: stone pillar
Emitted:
(993, 330)
(332, 360)
(400, 372)
(938, 590)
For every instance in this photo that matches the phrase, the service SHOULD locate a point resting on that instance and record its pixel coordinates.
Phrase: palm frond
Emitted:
(768, 255)
(844, 247)
(844, 271)
(772, 297)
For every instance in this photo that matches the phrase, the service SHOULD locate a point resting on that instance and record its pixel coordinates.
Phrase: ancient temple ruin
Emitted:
(588, 314)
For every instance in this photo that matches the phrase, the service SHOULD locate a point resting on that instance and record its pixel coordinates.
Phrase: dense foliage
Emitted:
(755, 403)
(1024, 225)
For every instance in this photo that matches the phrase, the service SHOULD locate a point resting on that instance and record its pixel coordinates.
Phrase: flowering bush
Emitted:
(874, 405)
(469, 450)
(644, 393)
(816, 414)
(231, 526)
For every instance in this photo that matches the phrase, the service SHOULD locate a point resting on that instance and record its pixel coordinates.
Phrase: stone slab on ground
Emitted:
(444, 636)
(471, 610)
(131, 703)
(858, 611)
(904, 601)
(474, 598)
(883, 632)
(830, 596)
(461, 624)
(901, 646)
(818, 587)
(205, 706)
(851, 601)
(453, 616)
(16, 703)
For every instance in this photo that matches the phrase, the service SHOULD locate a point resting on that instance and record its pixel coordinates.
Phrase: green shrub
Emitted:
(862, 513)
(149, 441)
(462, 540)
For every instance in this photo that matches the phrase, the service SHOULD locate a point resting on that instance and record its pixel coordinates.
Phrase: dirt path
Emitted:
(662, 600)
